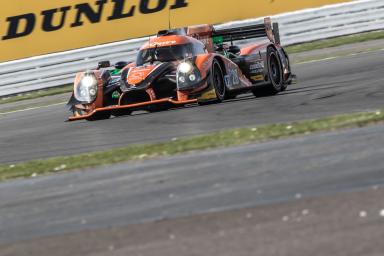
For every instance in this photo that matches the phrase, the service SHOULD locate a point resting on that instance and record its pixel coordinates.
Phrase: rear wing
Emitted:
(269, 30)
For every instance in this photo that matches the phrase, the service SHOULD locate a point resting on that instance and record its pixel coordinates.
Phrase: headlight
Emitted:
(192, 77)
(185, 67)
(86, 90)
(181, 79)
(188, 76)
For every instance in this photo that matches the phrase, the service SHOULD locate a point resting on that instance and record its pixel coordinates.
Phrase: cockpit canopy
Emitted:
(168, 49)
(168, 53)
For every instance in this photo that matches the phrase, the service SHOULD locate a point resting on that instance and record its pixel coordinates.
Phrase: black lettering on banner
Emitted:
(144, 6)
(14, 30)
(118, 10)
(55, 19)
(48, 17)
(179, 4)
(87, 10)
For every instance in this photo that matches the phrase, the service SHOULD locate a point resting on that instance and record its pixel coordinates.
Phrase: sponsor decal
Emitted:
(232, 78)
(257, 67)
(25, 24)
(209, 95)
(257, 78)
(115, 95)
(166, 43)
(218, 39)
(30, 28)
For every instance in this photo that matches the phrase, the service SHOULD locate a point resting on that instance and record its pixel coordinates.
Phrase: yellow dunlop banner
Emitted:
(30, 28)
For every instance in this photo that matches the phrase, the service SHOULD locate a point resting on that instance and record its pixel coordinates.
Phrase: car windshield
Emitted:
(164, 54)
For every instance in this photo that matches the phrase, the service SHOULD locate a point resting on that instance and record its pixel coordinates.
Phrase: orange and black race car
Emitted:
(198, 64)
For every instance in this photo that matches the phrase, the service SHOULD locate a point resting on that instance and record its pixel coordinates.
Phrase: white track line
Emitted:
(338, 57)
(34, 108)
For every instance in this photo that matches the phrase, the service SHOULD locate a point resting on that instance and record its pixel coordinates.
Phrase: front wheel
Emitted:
(217, 79)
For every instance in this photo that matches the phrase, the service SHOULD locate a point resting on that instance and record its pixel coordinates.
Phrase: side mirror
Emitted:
(121, 64)
(103, 64)
(234, 49)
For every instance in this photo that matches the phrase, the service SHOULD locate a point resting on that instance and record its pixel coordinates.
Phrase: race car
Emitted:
(197, 64)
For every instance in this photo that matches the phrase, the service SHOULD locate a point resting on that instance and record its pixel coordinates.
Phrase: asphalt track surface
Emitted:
(335, 86)
(310, 195)
(275, 198)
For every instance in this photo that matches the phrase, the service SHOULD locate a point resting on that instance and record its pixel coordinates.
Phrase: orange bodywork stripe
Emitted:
(175, 102)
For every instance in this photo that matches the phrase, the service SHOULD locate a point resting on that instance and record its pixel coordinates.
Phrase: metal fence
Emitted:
(302, 26)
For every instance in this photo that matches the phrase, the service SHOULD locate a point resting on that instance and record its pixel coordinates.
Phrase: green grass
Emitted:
(37, 94)
(337, 41)
(219, 139)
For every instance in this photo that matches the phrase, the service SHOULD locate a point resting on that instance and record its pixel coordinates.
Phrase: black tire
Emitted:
(275, 73)
(285, 84)
(217, 80)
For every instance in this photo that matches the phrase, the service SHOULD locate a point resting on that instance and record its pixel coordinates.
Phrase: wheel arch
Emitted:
(272, 46)
(222, 64)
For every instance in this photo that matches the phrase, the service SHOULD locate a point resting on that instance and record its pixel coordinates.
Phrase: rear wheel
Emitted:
(275, 75)
(285, 83)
